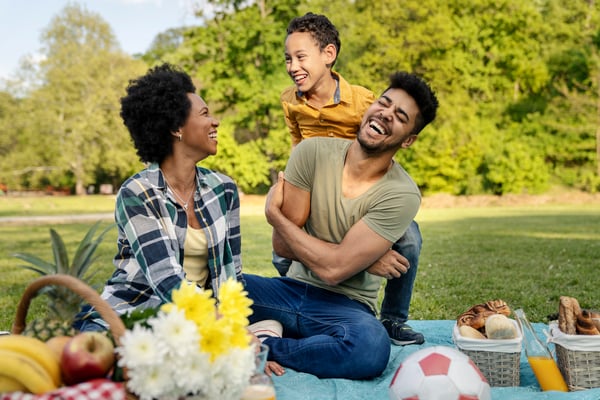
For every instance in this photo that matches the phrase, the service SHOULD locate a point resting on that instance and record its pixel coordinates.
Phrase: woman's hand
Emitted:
(273, 367)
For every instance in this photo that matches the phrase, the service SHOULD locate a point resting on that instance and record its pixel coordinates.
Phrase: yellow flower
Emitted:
(234, 303)
(215, 338)
(198, 305)
(240, 336)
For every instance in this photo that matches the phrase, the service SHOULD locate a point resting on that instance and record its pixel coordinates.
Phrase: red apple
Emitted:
(88, 355)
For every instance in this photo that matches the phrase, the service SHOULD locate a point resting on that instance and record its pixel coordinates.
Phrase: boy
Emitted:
(323, 103)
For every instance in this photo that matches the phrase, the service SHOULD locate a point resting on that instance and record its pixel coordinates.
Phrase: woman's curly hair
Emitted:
(156, 105)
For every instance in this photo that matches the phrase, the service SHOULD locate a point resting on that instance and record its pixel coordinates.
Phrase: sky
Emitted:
(135, 23)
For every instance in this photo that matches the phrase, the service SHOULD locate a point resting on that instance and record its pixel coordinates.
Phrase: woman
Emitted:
(175, 220)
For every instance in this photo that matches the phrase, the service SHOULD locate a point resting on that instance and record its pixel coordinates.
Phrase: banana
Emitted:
(8, 385)
(35, 349)
(26, 370)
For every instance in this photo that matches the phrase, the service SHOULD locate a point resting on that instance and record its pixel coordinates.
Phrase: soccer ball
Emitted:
(439, 373)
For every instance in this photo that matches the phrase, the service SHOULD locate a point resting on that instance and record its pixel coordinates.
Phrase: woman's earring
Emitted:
(180, 136)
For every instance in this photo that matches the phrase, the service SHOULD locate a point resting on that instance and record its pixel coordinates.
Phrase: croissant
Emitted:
(585, 325)
(499, 306)
(475, 316)
(595, 318)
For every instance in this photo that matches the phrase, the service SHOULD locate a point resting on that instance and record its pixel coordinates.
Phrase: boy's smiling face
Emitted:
(306, 63)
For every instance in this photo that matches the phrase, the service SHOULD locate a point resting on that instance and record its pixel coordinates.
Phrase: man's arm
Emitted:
(332, 263)
(296, 208)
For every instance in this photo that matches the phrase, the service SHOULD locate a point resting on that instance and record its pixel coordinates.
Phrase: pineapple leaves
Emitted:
(87, 247)
(61, 258)
(37, 264)
(82, 260)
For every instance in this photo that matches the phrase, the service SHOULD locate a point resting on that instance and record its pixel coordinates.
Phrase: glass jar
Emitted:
(261, 385)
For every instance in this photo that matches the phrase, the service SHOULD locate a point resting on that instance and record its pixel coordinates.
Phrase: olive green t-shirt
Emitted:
(388, 207)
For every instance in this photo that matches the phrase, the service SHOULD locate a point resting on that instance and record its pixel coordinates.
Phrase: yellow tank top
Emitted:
(195, 257)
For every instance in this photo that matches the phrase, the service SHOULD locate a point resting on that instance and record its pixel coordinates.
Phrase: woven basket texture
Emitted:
(581, 369)
(500, 369)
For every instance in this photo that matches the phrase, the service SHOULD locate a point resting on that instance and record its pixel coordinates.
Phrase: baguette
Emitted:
(568, 310)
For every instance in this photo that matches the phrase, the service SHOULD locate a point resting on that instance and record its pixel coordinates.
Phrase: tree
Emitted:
(83, 76)
(237, 58)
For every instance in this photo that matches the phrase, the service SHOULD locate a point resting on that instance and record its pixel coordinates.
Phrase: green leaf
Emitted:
(59, 250)
(84, 255)
(38, 265)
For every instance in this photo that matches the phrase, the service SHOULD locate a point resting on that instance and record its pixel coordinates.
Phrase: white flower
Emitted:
(240, 365)
(140, 347)
(178, 333)
(195, 365)
(150, 382)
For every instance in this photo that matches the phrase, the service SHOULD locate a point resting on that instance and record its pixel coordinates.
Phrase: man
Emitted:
(339, 210)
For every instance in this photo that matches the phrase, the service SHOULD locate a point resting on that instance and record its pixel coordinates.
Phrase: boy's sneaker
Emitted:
(266, 329)
(401, 334)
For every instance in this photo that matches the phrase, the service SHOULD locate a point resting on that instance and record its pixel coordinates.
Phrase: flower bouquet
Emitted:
(195, 347)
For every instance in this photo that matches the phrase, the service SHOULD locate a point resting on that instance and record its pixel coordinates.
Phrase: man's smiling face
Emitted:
(389, 122)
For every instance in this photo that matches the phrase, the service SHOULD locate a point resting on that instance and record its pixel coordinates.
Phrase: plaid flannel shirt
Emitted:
(151, 235)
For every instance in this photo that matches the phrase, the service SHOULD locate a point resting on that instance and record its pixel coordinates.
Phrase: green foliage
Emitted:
(523, 71)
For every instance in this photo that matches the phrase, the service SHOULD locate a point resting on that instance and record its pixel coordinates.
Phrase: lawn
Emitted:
(526, 255)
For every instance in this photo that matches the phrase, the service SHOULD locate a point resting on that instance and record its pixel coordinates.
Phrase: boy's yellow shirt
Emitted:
(336, 119)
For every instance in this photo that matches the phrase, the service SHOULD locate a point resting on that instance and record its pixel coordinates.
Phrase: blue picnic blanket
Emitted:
(301, 386)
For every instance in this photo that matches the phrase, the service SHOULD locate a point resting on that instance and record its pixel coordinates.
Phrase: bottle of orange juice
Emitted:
(540, 359)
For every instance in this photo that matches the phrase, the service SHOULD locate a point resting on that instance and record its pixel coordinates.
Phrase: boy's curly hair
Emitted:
(320, 28)
(156, 105)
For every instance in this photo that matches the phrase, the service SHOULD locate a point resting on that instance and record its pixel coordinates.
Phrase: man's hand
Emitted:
(391, 265)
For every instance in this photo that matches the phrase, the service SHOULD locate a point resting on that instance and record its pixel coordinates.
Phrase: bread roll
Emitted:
(568, 310)
(584, 324)
(467, 331)
(498, 326)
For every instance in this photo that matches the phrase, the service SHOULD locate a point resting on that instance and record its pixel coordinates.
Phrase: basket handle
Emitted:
(116, 326)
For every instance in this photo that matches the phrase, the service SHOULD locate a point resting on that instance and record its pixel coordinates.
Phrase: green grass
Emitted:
(527, 256)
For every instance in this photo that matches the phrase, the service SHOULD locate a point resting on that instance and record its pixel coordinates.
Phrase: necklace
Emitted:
(183, 202)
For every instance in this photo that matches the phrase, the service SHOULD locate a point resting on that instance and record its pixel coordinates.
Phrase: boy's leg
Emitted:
(282, 264)
(398, 292)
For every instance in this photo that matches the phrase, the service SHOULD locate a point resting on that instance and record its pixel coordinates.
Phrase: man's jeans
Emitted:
(326, 334)
(396, 300)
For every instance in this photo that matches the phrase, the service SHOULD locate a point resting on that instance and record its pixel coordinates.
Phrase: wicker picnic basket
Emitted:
(578, 358)
(498, 360)
(116, 326)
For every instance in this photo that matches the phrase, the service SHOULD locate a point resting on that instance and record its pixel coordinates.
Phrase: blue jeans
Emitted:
(325, 333)
(398, 291)
(396, 299)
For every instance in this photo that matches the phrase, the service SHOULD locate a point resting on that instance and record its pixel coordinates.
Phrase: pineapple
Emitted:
(63, 304)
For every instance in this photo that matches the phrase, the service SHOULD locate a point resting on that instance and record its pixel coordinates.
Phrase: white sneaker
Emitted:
(266, 329)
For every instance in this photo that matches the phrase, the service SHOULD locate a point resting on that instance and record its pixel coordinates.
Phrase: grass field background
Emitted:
(526, 254)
